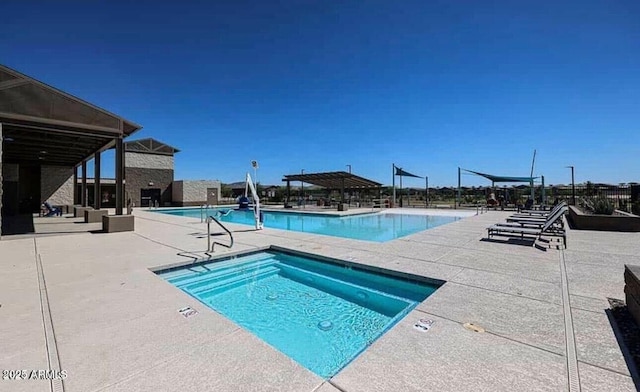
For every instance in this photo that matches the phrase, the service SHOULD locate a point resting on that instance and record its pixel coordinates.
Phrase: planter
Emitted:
(581, 221)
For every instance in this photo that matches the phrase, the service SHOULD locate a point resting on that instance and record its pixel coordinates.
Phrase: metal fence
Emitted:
(621, 196)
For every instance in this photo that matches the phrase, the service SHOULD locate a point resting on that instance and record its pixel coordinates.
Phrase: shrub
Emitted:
(603, 206)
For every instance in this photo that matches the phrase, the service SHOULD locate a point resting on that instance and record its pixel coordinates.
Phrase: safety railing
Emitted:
(210, 244)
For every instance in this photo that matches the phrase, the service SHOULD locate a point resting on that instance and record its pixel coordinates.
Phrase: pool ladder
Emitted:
(210, 244)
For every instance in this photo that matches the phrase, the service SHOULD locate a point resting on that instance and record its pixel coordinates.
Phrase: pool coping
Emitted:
(404, 276)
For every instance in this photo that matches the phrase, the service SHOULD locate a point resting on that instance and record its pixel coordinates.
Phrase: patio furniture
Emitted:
(548, 227)
(537, 213)
(57, 211)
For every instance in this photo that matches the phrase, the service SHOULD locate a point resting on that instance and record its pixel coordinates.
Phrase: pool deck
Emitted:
(88, 304)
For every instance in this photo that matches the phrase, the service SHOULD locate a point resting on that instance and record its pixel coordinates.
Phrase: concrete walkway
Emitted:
(95, 310)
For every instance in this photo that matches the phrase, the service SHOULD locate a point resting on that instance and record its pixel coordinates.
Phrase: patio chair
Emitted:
(549, 227)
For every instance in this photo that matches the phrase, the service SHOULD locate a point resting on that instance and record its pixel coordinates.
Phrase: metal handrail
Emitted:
(211, 245)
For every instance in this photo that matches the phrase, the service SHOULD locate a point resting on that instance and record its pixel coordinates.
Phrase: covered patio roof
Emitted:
(334, 180)
(41, 124)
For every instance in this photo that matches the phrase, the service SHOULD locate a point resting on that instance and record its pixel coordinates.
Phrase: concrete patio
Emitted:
(88, 304)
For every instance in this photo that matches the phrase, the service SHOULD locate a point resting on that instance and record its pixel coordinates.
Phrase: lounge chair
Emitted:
(52, 210)
(536, 213)
(535, 219)
(549, 227)
(557, 227)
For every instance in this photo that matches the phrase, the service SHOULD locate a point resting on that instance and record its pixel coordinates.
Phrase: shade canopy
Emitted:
(334, 180)
(495, 178)
(402, 173)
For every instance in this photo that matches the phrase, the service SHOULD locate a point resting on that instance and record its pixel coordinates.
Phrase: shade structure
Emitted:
(44, 125)
(45, 130)
(334, 180)
(495, 178)
(402, 173)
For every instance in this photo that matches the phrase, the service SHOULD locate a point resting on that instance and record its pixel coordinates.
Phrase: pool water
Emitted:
(320, 314)
(377, 227)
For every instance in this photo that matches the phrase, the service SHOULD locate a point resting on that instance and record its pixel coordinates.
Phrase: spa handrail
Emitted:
(211, 245)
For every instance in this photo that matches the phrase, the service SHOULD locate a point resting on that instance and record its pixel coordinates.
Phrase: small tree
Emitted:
(603, 206)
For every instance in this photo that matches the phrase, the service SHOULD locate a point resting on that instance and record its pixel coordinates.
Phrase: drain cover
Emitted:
(325, 325)
(473, 327)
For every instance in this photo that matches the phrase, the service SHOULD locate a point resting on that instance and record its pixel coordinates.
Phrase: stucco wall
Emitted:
(193, 192)
(56, 185)
(148, 161)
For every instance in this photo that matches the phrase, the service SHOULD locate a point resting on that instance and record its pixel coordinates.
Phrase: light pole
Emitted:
(302, 188)
(349, 166)
(573, 187)
(254, 164)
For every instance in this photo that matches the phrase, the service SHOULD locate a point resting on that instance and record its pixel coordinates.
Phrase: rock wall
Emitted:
(148, 161)
(193, 192)
(1, 180)
(143, 178)
(56, 185)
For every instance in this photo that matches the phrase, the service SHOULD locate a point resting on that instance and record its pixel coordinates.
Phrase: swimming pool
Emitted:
(377, 227)
(320, 314)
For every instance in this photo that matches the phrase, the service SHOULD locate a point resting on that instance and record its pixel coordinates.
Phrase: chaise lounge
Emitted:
(51, 210)
(548, 226)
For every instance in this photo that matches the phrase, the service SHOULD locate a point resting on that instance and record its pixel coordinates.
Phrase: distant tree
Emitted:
(226, 191)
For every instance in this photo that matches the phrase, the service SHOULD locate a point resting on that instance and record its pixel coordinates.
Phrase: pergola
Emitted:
(41, 125)
(339, 180)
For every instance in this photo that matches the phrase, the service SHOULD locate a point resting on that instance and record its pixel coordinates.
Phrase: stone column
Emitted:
(75, 186)
(1, 142)
(119, 176)
(97, 196)
(83, 194)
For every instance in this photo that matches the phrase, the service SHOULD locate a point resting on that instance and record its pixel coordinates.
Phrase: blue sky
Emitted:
(317, 85)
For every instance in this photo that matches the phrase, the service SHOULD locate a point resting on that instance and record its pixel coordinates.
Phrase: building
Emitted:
(148, 171)
(148, 168)
(196, 192)
(46, 134)
(149, 180)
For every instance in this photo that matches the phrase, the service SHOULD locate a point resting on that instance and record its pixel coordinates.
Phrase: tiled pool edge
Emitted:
(405, 276)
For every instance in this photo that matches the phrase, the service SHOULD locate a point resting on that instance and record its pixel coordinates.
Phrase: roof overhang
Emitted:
(150, 146)
(43, 125)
